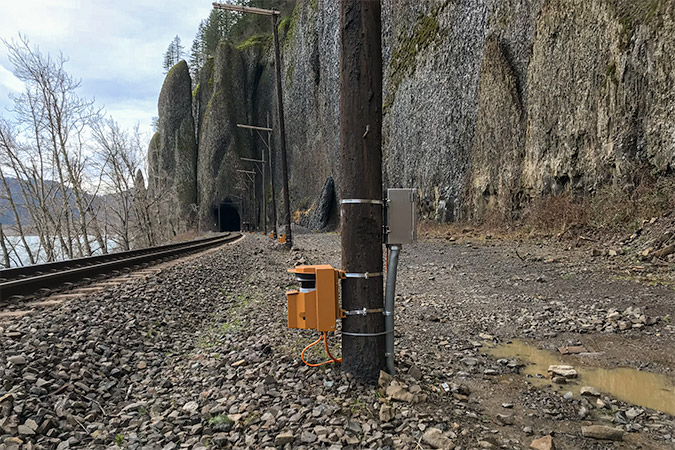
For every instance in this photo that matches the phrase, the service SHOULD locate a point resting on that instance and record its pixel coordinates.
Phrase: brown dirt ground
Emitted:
(454, 285)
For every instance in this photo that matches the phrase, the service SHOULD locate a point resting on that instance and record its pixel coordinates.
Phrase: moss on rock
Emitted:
(404, 57)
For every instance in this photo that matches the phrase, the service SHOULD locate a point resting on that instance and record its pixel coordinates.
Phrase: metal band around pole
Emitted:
(368, 334)
(365, 275)
(363, 312)
(360, 201)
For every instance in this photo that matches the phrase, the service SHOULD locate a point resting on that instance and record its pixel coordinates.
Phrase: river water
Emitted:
(19, 257)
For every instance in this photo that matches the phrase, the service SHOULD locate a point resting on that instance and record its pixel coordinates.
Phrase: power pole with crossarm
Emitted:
(274, 14)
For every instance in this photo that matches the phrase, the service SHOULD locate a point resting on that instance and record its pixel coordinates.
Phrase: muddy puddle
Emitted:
(630, 385)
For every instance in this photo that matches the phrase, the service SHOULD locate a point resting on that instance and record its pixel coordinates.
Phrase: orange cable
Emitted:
(325, 344)
(324, 337)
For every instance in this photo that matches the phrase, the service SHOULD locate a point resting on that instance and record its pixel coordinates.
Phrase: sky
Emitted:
(115, 48)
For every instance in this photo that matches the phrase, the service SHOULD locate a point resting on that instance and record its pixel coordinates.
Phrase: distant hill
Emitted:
(7, 215)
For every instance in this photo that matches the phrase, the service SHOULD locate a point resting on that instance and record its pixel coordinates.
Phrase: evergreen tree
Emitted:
(173, 54)
(197, 56)
(216, 27)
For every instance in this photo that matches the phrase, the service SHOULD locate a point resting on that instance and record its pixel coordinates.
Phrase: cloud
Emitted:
(115, 48)
(9, 81)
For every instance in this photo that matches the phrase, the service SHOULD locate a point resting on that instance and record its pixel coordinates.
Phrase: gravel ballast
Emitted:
(199, 356)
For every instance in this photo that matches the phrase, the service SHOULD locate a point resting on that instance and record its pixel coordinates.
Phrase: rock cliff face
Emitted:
(172, 154)
(487, 103)
(497, 102)
(223, 102)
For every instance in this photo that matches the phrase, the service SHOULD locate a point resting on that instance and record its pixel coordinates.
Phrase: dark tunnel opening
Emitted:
(228, 218)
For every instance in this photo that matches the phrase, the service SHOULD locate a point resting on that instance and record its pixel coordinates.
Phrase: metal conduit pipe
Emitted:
(389, 307)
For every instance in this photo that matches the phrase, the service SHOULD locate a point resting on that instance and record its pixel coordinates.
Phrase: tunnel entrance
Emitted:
(227, 217)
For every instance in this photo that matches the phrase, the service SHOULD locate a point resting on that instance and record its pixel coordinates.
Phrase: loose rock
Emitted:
(544, 443)
(602, 432)
(435, 438)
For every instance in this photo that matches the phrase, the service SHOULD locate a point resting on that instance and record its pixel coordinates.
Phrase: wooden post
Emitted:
(274, 201)
(264, 191)
(286, 218)
(361, 181)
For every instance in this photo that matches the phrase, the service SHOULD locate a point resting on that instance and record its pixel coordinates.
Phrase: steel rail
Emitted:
(39, 269)
(29, 285)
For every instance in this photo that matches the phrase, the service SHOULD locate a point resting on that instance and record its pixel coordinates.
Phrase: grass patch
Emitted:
(612, 208)
(228, 322)
(299, 214)
(119, 440)
(220, 419)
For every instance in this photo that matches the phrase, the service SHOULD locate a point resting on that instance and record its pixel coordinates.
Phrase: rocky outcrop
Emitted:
(223, 102)
(172, 154)
(488, 104)
(502, 101)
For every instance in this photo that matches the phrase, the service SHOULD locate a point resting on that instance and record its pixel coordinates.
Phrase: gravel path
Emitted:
(199, 356)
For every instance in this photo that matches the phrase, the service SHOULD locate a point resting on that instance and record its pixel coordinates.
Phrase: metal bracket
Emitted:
(360, 201)
(365, 275)
(367, 334)
(362, 312)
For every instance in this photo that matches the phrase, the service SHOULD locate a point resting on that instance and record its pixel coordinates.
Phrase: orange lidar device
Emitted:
(316, 304)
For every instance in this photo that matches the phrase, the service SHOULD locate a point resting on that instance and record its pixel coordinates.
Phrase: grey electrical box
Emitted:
(401, 226)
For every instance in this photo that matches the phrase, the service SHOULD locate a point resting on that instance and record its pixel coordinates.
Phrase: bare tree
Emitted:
(58, 120)
(121, 155)
(69, 176)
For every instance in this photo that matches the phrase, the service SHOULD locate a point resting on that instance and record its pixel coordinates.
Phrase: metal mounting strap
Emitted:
(362, 312)
(367, 334)
(365, 275)
(363, 201)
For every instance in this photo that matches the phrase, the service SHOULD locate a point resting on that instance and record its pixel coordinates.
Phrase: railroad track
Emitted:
(21, 282)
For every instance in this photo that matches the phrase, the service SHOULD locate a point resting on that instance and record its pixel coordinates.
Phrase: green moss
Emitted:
(610, 73)
(632, 13)
(195, 92)
(209, 105)
(292, 24)
(290, 72)
(174, 70)
(257, 40)
(220, 419)
(404, 58)
(283, 25)
(208, 69)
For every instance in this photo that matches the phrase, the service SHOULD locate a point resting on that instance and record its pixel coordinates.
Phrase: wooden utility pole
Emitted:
(274, 200)
(363, 339)
(268, 144)
(250, 174)
(286, 218)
